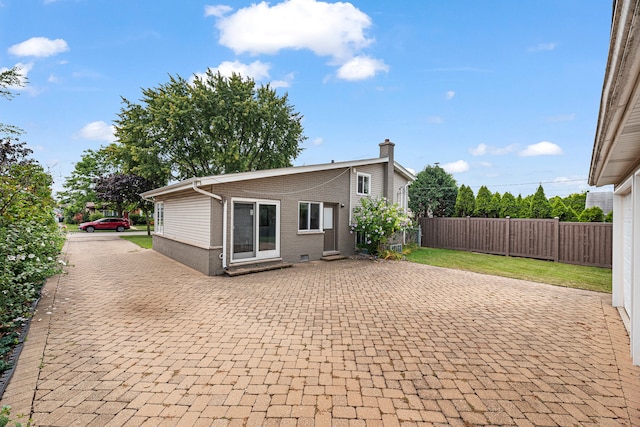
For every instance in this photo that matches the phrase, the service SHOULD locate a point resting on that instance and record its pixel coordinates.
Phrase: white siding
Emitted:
(376, 184)
(188, 219)
(400, 190)
(627, 251)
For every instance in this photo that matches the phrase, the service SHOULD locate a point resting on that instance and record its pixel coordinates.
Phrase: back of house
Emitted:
(293, 214)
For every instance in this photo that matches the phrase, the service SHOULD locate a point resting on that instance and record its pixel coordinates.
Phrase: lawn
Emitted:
(554, 273)
(142, 241)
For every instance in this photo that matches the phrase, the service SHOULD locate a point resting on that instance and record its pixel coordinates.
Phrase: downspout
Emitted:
(223, 255)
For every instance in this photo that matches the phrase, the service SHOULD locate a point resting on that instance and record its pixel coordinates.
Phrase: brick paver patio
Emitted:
(129, 337)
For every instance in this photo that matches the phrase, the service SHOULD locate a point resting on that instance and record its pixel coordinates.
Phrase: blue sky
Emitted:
(500, 93)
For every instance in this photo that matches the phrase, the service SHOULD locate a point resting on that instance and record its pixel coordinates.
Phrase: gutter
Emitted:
(223, 255)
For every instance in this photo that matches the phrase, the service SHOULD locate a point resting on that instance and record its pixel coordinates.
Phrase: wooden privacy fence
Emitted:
(582, 243)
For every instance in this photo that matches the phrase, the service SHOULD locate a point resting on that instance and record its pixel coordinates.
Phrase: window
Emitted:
(363, 184)
(309, 216)
(159, 220)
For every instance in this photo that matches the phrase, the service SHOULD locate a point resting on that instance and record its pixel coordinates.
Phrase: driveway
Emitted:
(129, 337)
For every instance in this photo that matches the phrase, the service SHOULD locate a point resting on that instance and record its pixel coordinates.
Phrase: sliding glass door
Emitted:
(256, 229)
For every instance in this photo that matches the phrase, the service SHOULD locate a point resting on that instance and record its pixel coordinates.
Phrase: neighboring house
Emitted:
(602, 199)
(290, 214)
(616, 160)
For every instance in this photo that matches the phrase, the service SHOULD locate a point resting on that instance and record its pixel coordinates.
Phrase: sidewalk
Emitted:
(131, 338)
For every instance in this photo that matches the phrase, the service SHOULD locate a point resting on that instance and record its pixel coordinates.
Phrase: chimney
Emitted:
(386, 150)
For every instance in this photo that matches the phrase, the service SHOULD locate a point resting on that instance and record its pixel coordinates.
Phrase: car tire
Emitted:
(90, 229)
(120, 229)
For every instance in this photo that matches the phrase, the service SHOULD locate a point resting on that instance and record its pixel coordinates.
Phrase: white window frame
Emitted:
(320, 219)
(366, 183)
(158, 223)
(264, 254)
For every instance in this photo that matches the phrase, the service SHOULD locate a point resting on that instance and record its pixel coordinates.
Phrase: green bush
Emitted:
(96, 216)
(593, 214)
(136, 219)
(376, 221)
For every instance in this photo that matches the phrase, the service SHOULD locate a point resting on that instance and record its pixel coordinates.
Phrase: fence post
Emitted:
(507, 234)
(466, 234)
(556, 255)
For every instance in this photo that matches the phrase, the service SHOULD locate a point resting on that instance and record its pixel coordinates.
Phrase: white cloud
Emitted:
(334, 30)
(53, 79)
(286, 82)
(480, 150)
(257, 70)
(436, 120)
(327, 29)
(449, 95)
(360, 68)
(39, 47)
(317, 141)
(218, 11)
(456, 167)
(544, 148)
(541, 47)
(98, 131)
(483, 149)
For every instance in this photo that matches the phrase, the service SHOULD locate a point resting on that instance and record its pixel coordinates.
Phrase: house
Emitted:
(290, 214)
(616, 160)
(600, 199)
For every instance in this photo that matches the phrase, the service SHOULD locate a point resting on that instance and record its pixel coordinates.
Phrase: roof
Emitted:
(269, 173)
(616, 151)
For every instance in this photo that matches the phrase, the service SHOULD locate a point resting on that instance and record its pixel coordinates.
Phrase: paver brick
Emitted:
(143, 340)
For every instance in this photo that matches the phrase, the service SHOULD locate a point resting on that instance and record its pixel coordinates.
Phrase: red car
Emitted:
(118, 224)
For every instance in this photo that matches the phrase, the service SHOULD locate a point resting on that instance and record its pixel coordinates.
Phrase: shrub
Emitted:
(96, 216)
(592, 214)
(136, 219)
(376, 221)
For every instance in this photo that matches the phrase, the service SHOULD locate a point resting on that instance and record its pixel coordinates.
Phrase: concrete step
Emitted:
(256, 268)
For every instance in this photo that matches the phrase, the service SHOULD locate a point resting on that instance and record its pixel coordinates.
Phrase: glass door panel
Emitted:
(243, 230)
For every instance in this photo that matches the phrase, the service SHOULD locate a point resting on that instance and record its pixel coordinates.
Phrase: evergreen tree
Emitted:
(508, 206)
(540, 207)
(593, 214)
(465, 202)
(494, 205)
(435, 191)
(558, 208)
(483, 202)
(576, 201)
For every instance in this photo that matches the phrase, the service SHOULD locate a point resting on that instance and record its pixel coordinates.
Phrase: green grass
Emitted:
(554, 273)
(142, 241)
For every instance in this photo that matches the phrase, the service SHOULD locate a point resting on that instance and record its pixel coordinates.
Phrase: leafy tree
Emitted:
(211, 126)
(10, 78)
(465, 202)
(121, 190)
(525, 206)
(376, 220)
(494, 205)
(576, 201)
(483, 202)
(608, 217)
(508, 206)
(592, 214)
(540, 206)
(435, 191)
(79, 187)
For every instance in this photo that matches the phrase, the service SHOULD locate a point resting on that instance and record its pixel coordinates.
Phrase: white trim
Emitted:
(320, 219)
(259, 255)
(368, 189)
(268, 173)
